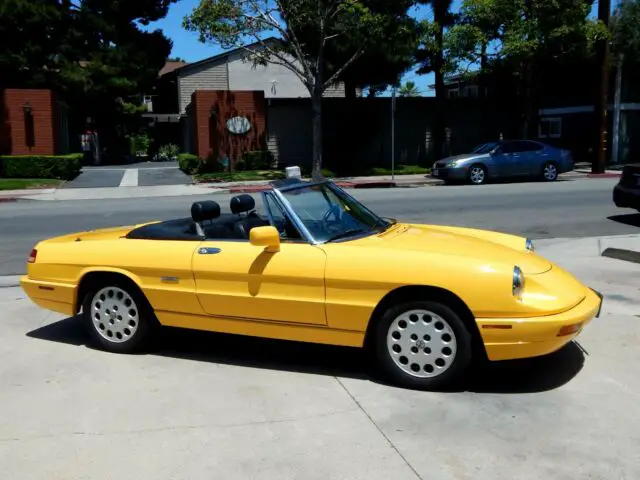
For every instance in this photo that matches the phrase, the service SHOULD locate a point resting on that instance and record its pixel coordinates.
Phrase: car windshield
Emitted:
(485, 147)
(330, 214)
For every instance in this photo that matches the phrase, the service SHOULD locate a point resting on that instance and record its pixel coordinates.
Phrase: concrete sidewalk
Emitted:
(202, 406)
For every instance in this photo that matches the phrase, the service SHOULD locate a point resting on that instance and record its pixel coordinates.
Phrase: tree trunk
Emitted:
(483, 71)
(439, 121)
(316, 107)
(528, 100)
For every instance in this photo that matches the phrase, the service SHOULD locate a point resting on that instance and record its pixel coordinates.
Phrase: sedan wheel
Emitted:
(117, 317)
(423, 345)
(477, 174)
(550, 172)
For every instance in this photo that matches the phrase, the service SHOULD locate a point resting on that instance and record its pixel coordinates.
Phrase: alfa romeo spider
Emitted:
(314, 264)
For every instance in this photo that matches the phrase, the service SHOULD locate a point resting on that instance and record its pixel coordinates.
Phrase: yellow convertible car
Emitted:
(315, 265)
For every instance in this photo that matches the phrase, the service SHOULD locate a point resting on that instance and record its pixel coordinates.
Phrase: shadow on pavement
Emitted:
(508, 377)
(631, 219)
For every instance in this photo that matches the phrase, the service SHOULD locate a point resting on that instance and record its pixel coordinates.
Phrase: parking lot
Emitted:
(205, 405)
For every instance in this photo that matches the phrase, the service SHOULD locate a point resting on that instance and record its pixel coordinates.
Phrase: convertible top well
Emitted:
(206, 222)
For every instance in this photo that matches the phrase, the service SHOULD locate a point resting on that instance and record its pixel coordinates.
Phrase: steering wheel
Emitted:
(332, 226)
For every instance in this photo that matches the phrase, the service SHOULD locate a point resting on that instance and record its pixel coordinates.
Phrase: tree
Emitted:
(305, 30)
(409, 89)
(528, 35)
(625, 31)
(432, 58)
(383, 62)
(92, 52)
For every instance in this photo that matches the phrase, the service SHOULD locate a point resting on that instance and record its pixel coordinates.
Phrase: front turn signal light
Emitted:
(569, 329)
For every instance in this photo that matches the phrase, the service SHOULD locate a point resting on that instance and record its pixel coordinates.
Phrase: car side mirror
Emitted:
(265, 237)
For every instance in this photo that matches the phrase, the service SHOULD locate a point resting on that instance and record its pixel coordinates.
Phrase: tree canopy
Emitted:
(319, 39)
(625, 31)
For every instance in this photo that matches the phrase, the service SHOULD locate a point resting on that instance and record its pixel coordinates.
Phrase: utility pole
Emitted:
(616, 113)
(600, 162)
(393, 131)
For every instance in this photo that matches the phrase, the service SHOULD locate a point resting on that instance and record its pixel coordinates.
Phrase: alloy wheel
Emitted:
(115, 314)
(477, 175)
(550, 171)
(421, 343)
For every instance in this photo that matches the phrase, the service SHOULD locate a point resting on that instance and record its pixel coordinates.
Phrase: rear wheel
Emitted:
(478, 174)
(422, 345)
(550, 172)
(118, 316)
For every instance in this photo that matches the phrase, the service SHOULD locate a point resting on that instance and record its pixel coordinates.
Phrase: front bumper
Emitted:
(626, 197)
(513, 338)
(449, 173)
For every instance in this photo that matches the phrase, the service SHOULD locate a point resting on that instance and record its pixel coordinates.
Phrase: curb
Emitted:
(8, 199)
(354, 185)
(10, 281)
(603, 175)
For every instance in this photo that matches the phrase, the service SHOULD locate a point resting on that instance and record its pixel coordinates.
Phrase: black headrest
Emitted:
(242, 203)
(207, 210)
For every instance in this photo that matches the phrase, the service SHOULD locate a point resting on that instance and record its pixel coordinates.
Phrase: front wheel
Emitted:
(478, 174)
(423, 345)
(118, 317)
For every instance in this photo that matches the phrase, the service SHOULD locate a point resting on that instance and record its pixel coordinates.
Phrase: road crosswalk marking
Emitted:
(130, 178)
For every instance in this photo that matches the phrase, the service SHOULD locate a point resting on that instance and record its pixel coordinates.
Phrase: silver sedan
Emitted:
(505, 159)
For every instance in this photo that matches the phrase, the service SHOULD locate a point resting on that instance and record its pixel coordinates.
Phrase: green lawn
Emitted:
(400, 170)
(28, 183)
(241, 176)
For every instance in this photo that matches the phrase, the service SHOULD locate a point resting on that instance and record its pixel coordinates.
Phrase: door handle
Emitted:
(208, 250)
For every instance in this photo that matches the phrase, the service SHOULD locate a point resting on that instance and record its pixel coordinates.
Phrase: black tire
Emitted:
(545, 167)
(139, 320)
(473, 179)
(462, 342)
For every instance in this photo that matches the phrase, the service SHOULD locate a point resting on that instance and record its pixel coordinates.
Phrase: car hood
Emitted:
(492, 247)
(463, 156)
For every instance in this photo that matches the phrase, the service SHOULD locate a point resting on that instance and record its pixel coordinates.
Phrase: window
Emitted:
(280, 220)
(524, 146)
(472, 91)
(550, 127)
(452, 93)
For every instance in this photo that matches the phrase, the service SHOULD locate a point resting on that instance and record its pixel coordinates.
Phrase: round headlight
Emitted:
(529, 246)
(518, 282)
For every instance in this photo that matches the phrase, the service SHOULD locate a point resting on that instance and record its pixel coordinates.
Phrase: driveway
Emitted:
(203, 406)
(141, 174)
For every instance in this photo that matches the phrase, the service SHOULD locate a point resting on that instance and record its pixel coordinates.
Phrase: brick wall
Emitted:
(21, 135)
(211, 136)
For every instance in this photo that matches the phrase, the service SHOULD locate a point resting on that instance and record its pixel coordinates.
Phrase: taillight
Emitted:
(32, 256)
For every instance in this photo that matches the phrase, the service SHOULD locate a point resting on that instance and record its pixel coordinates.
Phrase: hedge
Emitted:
(61, 167)
(188, 163)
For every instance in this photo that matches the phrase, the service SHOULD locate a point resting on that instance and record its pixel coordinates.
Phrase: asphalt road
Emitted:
(579, 208)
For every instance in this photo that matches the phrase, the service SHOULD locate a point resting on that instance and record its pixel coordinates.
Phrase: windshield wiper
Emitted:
(346, 233)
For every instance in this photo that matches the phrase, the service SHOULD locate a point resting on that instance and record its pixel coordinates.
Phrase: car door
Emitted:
(236, 279)
(503, 159)
(535, 157)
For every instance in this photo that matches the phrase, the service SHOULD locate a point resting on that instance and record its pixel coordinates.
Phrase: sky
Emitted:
(187, 46)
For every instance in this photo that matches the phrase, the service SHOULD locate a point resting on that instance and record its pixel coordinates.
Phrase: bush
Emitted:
(188, 163)
(258, 160)
(167, 153)
(61, 167)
